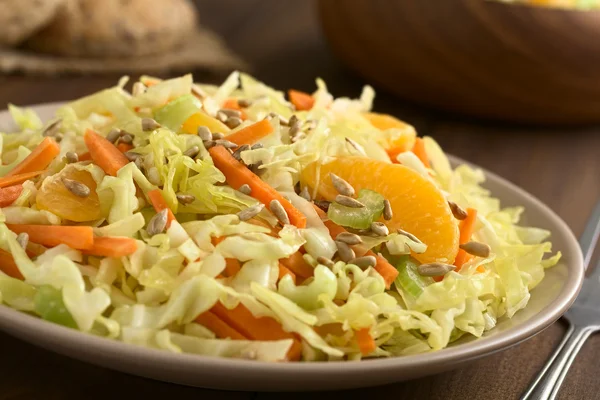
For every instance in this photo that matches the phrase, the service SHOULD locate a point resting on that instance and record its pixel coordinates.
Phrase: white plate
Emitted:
(548, 302)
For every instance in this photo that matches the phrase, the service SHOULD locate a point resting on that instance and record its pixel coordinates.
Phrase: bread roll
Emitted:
(124, 28)
(20, 18)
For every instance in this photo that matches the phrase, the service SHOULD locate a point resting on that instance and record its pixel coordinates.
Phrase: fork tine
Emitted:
(590, 235)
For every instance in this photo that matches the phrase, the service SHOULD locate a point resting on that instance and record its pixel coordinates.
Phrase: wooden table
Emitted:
(283, 43)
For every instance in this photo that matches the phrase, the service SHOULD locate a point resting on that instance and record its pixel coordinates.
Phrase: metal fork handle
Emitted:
(547, 383)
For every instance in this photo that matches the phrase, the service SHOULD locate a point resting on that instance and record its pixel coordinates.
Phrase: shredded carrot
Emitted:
(283, 271)
(419, 150)
(76, 237)
(223, 331)
(8, 195)
(11, 180)
(238, 174)
(233, 104)
(383, 267)
(39, 158)
(302, 101)
(104, 154)
(252, 133)
(257, 328)
(8, 265)
(298, 265)
(112, 247)
(124, 147)
(467, 228)
(159, 204)
(85, 156)
(365, 341)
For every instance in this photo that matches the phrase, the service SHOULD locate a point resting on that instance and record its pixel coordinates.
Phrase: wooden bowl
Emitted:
(480, 58)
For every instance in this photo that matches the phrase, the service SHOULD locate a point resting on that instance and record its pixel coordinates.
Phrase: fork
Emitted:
(583, 319)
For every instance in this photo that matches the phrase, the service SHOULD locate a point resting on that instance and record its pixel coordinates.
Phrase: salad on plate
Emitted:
(240, 221)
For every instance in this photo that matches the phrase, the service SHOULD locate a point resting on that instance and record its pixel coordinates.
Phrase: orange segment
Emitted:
(53, 196)
(202, 119)
(399, 144)
(419, 207)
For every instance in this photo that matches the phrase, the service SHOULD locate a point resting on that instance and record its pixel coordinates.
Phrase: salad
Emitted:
(239, 221)
(576, 4)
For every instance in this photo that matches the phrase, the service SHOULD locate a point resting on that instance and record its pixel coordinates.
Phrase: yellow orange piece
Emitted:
(202, 119)
(54, 196)
(402, 141)
(418, 205)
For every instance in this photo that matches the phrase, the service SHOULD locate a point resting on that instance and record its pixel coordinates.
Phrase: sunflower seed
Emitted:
(76, 187)
(477, 249)
(154, 176)
(126, 138)
(71, 157)
(231, 112)
(204, 133)
(131, 156)
(322, 204)
(250, 212)
(113, 135)
(364, 262)
(348, 238)
(139, 162)
(238, 153)
(246, 189)
(53, 128)
(409, 235)
(344, 251)
(257, 146)
(186, 199)
(148, 124)
(457, 211)
(244, 103)
(293, 120)
(299, 136)
(158, 223)
(305, 194)
(221, 116)
(279, 212)
(256, 168)
(225, 143)
(218, 135)
(325, 261)
(23, 239)
(356, 146)
(58, 137)
(295, 129)
(348, 201)
(387, 210)
(435, 269)
(310, 124)
(209, 143)
(138, 88)
(341, 185)
(233, 122)
(380, 229)
(192, 152)
(198, 92)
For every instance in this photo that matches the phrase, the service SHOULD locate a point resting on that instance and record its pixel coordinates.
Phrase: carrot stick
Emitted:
(257, 328)
(252, 133)
(8, 265)
(296, 264)
(383, 267)
(39, 158)
(85, 156)
(419, 150)
(233, 104)
(223, 331)
(11, 180)
(302, 101)
(159, 204)
(124, 147)
(76, 237)
(283, 271)
(365, 341)
(112, 247)
(466, 231)
(237, 174)
(8, 195)
(104, 153)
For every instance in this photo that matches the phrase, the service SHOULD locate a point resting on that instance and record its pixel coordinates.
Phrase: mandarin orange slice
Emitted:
(404, 141)
(53, 196)
(418, 205)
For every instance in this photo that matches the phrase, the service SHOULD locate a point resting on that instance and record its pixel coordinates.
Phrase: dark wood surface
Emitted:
(282, 41)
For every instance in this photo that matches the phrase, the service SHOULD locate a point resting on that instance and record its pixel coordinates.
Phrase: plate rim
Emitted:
(451, 355)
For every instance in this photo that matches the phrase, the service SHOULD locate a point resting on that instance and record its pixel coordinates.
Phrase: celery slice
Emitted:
(358, 218)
